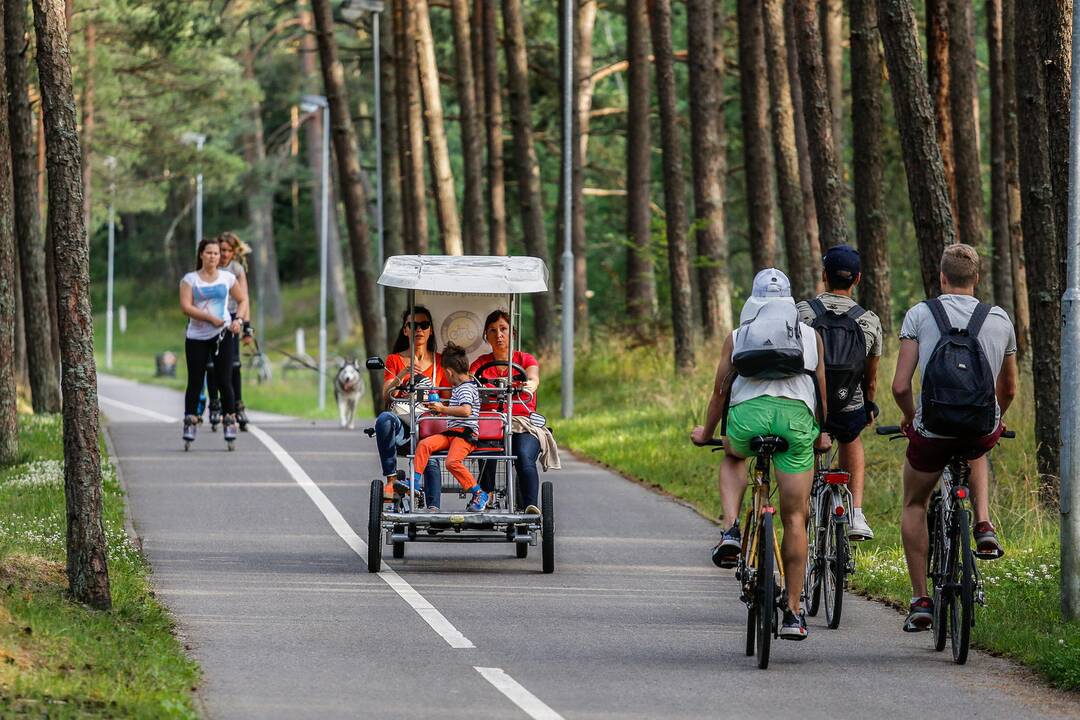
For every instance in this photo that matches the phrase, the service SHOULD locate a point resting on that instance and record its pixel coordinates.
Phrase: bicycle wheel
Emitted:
(812, 583)
(963, 602)
(765, 599)
(836, 560)
(937, 572)
(751, 630)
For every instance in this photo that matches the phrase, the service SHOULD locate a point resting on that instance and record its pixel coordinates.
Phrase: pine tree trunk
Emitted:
(1041, 251)
(1058, 65)
(800, 266)
(9, 421)
(393, 242)
(526, 166)
(757, 150)
(832, 46)
(88, 574)
(348, 163)
(828, 186)
(802, 143)
(999, 189)
(583, 94)
(964, 94)
(472, 142)
(344, 319)
(415, 188)
(1022, 318)
(708, 165)
(493, 102)
(674, 201)
(927, 190)
(939, 79)
(22, 372)
(90, 48)
(41, 361)
(442, 174)
(641, 304)
(871, 231)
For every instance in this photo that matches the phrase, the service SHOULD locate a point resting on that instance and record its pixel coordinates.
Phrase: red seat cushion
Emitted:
(491, 425)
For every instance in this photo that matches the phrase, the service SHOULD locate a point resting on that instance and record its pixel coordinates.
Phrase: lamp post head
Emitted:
(193, 138)
(352, 9)
(311, 103)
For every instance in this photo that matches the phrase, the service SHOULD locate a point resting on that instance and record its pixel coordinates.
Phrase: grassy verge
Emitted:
(59, 659)
(634, 415)
(155, 325)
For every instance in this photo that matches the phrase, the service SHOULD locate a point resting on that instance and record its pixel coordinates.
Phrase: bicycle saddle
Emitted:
(768, 443)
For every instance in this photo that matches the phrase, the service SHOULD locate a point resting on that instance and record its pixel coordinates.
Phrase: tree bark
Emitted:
(393, 241)
(1058, 65)
(472, 143)
(41, 361)
(415, 193)
(828, 186)
(9, 420)
(832, 46)
(583, 95)
(22, 372)
(1022, 318)
(493, 103)
(527, 167)
(757, 151)
(964, 95)
(999, 189)
(348, 162)
(1041, 250)
(871, 230)
(927, 190)
(88, 574)
(802, 143)
(939, 79)
(674, 201)
(344, 319)
(709, 168)
(800, 266)
(641, 303)
(90, 48)
(442, 175)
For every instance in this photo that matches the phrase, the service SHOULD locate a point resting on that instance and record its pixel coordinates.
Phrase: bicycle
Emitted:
(957, 585)
(759, 558)
(829, 558)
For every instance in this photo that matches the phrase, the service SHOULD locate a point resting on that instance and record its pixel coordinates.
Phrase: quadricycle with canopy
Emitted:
(460, 292)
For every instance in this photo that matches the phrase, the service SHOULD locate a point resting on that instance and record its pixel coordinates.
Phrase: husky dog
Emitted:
(348, 389)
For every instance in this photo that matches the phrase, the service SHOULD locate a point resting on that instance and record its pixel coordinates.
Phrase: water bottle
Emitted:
(433, 396)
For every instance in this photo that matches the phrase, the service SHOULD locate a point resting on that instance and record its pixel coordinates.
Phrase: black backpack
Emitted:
(958, 397)
(845, 352)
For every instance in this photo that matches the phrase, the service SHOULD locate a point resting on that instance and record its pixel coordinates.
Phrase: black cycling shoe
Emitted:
(793, 627)
(726, 552)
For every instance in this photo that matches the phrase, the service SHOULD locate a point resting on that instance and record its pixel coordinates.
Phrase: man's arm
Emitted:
(819, 372)
(725, 375)
(869, 381)
(906, 362)
(1006, 382)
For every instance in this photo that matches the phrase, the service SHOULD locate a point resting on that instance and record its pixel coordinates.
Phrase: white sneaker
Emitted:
(858, 529)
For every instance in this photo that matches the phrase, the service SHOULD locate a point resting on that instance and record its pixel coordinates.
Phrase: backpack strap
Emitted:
(937, 310)
(982, 311)
(856, 312)
(818, 307)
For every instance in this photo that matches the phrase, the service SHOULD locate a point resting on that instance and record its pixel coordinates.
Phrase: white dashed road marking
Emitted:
(533, 706)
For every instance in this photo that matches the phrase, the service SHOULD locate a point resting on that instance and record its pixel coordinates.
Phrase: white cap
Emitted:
(771, 283)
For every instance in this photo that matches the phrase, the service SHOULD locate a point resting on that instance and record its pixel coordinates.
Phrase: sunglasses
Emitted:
(422, 325)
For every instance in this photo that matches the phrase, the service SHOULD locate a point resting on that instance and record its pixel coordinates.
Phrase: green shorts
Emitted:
(767, 415)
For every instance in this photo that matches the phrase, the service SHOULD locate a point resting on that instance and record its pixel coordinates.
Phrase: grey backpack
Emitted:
(769, 345)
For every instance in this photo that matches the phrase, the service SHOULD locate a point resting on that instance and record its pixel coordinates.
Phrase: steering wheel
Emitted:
(517, 373)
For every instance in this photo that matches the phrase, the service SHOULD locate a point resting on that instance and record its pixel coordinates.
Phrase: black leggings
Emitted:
(211, 376)
(199, 353)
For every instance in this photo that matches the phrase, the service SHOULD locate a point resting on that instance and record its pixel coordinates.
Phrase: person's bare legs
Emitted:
(917, 489)
(979, 482)
(853, 459)
(794, 503)
(732, 486)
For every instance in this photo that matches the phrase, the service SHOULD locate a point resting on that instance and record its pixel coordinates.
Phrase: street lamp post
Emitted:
(567, 178)
(309, 104)
(110, 163)
(198, 140)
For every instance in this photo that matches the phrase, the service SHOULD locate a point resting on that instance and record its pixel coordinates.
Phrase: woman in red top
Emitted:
(391, 427)
(524, 447)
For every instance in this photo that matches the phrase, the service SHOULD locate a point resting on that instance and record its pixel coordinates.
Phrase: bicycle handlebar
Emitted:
(894, 430)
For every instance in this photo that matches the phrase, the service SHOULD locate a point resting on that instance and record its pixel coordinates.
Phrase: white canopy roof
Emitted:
(466, 274)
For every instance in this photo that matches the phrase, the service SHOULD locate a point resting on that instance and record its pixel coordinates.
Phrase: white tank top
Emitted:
(800, 387)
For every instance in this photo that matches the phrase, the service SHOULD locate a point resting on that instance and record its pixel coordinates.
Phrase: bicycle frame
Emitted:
(951, 496)
(760, 504)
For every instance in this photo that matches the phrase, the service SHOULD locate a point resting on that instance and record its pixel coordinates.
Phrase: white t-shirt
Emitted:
(238, 270)
(210, 297)
(799, 387)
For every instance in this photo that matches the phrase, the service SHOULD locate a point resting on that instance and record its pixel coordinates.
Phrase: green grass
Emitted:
(634, 414)
(59, 659)
(156, 324)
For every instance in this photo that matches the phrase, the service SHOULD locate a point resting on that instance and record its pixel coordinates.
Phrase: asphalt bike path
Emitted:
(259, 554)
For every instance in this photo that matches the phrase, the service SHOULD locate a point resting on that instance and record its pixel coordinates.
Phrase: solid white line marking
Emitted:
(136, 409)
(423, 608)
(533, 706)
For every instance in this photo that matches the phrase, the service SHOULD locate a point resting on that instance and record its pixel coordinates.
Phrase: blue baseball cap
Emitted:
(842, 264)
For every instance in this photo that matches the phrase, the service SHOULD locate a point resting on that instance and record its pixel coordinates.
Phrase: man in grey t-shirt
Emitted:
(842, 271)
(928, 454)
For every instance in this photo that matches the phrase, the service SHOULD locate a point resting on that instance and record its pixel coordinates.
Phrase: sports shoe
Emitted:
(229, 428)
(726, 552)
(920, 616)
(532, 510)
(241, 415)
(987, 546)
(793, 627)
(190, 421)
(858, 528)
(479, 501)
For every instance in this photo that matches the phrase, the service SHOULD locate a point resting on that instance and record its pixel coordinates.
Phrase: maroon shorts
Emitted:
(931, 455)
